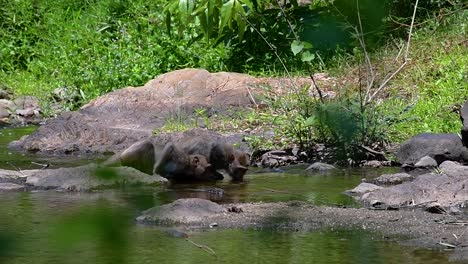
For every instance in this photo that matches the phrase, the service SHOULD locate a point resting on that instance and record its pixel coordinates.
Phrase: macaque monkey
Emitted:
(219, 154)
(140, 156)
(173, 163)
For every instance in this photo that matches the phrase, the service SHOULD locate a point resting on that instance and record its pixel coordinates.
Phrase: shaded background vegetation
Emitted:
(92, 47)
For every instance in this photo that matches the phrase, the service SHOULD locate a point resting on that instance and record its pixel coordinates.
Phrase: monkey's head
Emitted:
(238, 165)
(199, 164)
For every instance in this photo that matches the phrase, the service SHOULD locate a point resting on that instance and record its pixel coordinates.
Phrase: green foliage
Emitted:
(347, 127)
(435, 84)
(343, 125)
(92, 47)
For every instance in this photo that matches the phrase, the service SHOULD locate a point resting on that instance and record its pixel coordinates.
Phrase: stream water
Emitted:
(98, 227)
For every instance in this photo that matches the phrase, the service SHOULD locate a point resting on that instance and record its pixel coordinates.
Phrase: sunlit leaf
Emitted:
(186, 6)
(297, 46)
(226, 14)
(307, 56)
(240, 20)
(310, 121)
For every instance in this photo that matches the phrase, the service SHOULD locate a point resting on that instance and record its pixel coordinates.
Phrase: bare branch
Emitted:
(411, 30)
(405, 62)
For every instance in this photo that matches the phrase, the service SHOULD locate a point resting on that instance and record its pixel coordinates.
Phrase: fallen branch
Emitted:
(203, 247)
(447, 245)
(16, 168)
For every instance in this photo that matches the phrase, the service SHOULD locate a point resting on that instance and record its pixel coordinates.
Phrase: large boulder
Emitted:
(114, 121)
(447, 188)
(440, 147)
(89, 177)
(182, 211)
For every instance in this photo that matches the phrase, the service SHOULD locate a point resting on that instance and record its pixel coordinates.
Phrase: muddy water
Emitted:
(57, 227)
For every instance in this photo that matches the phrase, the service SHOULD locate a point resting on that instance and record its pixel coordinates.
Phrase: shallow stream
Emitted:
(98, 227)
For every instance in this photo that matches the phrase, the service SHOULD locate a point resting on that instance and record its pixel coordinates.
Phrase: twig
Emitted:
(406, 59)
(311, 75)
(296, 36)
(411, 30)
(16, 168)
(360, 35)
(446, 245)
(386, 80)
(418, 204)
(374, 152)
(285, 192)
(251, 96)
(203, 247)
(44, 166)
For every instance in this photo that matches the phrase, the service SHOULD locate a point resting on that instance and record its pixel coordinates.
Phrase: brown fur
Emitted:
(219, 154)
(176, 164)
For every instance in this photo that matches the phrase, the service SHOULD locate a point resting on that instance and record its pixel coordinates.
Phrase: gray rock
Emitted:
(90, 177)
(447, 189)
(9, 176)
(9, 187)
(4, 94)
(26, 101)
(363, 188)
(426, 162)
(4, 113)
(114, 121)
(319, 166)
(6, 107)
(373, 163)
(182, 211)
(440, 147)
(464, 119)
(453, 169)
(4, 103)
(277, 158)
(392, 179)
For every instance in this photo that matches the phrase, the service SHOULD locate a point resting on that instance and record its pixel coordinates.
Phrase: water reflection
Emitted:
(50, 227)
(293, 184)
(12, 160)
(54, 227)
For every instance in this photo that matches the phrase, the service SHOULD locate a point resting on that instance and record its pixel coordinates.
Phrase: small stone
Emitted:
(363, 188)
(4, 113)
(426, 162)
(373, 164)
(4, 94)
(392, 179)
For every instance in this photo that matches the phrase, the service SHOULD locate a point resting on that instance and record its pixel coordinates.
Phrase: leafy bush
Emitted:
(92, 47)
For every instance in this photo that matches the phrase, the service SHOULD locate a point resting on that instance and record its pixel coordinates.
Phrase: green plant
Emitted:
(92, 47)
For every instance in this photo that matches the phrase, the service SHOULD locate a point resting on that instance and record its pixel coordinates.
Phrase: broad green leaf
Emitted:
(307, 56)
(248, 3)
(310, 121)
(226, 14)
(186, 6)
(168, 23)
(307, 45)
(240, 17)
(204, 24)
(297, 46)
